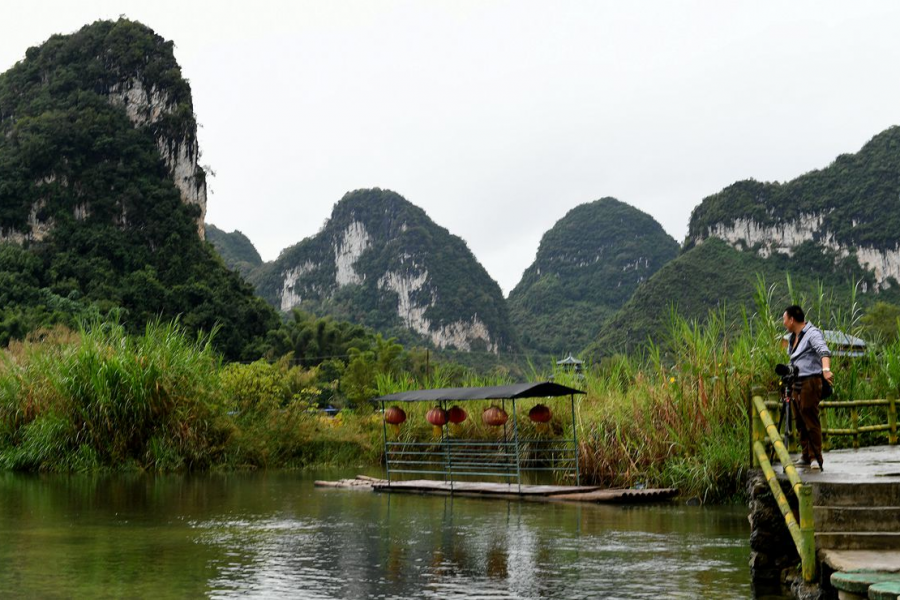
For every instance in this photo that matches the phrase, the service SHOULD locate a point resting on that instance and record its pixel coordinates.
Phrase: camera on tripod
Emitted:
(789, 375)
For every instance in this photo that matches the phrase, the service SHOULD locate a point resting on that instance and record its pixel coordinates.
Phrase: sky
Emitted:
(498, 117)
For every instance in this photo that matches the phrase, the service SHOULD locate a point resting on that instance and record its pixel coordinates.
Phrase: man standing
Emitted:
(810, 354)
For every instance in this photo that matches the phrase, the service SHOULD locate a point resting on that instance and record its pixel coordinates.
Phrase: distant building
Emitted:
(840, 343)
(570, 363)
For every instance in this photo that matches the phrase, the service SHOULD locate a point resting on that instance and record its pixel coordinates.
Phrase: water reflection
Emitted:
(273, 534)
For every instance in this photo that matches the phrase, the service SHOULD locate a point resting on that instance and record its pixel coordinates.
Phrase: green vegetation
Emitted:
(161, 401)
(100, 398)
(237, 251)
(882, 322)
(119, 237)
(714, 276)
(678, 416)
(401, 240)
(858, 197)
(587, 266)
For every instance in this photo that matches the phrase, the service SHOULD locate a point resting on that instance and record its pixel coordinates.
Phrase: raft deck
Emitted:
(482, 489)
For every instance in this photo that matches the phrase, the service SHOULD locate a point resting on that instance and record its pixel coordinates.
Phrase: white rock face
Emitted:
(143, 106)
(885, 263)
(459, 334)
(37, 229)
(348, 251)
(780, 238)
(146, 106)
(784, 238)
(290, 295)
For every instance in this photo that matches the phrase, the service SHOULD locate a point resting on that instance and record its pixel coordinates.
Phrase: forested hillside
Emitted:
(857, 196)
(236, 250)
(381, 261)
(101, 196)
(587, 266)
(836, 227)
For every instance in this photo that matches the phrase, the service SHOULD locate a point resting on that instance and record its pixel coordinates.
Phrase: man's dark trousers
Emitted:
(806, 417)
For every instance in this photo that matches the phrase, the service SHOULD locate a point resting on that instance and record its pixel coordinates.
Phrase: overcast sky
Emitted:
(498, 117)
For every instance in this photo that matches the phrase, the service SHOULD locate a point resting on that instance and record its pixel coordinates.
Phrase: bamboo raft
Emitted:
(541, 493)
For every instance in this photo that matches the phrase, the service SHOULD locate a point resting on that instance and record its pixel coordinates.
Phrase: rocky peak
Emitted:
(129, 67)
(849, 208)
(381, 261)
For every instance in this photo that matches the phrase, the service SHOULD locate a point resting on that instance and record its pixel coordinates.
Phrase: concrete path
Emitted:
(878, 464)
(859, 560)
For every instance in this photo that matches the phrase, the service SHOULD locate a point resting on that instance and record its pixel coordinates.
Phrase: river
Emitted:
(273, 534)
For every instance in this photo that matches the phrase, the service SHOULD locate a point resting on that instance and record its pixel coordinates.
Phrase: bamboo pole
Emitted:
(780, 450)
(852, 403)
(892, 421)
(854, 425)
(780, 498)
(808, 534)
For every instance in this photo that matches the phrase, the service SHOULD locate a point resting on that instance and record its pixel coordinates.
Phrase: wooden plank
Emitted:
(351, 484)
(621, 495)
(482, 487)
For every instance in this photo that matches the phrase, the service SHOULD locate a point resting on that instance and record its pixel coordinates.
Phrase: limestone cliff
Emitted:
(849, 209)
(123, 64)
(102, 197)
(382, 262)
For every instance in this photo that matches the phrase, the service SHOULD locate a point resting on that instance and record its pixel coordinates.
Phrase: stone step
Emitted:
(857, 518)
(889, 590)
(859, 584)
(858, 540)
(856, 494)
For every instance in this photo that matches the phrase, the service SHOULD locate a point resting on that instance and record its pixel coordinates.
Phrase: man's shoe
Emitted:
(802, 463)
(817, 467)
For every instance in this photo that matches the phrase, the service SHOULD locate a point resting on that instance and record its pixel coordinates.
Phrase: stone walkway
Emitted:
(879, 464)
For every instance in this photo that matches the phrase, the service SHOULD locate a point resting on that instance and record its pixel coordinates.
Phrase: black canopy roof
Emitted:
(496, 392)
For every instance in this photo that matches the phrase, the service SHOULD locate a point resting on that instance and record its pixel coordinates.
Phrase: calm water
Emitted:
(273, 534)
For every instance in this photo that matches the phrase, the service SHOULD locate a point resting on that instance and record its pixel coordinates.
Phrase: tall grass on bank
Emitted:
(100, 397)
(678, 418)
(162, 401)
(674, 415)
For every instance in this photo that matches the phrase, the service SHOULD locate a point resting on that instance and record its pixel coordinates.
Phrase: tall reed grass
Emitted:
(99, 398)
(672, 415)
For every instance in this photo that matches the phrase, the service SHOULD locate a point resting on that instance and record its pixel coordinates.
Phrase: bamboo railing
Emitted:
(763, 430)
(855, 429)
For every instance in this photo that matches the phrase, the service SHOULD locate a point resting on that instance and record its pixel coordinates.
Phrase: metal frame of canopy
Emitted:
(507, 457)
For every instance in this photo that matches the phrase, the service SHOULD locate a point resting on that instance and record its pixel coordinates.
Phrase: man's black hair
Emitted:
(796, 313)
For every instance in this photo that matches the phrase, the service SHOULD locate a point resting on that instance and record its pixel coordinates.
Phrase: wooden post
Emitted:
(892, 419)
(826, 444)
(854, 425)
(808, 534)
(756, 428)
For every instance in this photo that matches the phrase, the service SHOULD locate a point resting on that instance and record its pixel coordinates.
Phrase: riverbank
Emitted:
(100, 399)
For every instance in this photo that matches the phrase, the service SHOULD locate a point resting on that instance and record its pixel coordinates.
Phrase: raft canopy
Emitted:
(542, 389)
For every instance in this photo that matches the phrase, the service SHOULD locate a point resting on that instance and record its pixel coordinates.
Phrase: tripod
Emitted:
(784, 420)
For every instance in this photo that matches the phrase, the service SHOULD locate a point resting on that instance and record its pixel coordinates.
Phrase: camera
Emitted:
(788, 374)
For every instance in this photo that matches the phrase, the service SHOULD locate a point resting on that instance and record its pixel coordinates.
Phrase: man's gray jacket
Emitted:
(810, 351)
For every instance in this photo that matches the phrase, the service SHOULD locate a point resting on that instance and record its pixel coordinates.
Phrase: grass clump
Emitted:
(102, 398)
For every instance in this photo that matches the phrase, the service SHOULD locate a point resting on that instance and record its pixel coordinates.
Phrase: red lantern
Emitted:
(540, 414)
(494, 416)
(393, 416)
(456, 415)
(437, 416)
